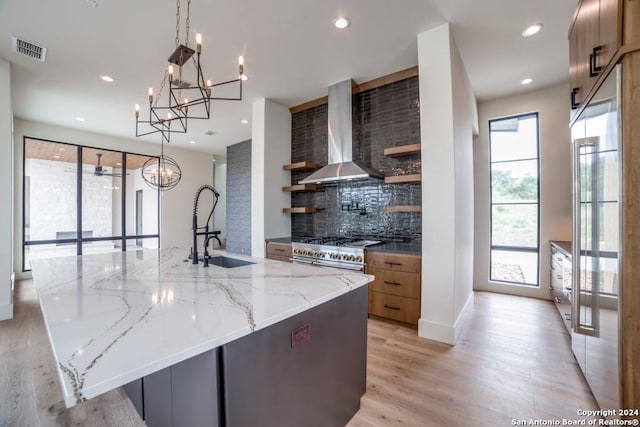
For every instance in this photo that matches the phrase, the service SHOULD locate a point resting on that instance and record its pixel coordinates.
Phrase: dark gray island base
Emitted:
(307, 370)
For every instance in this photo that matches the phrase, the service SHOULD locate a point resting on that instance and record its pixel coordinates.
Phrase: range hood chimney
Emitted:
(341, 166)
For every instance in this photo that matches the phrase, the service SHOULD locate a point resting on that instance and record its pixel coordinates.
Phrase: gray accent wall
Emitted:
(238, 195)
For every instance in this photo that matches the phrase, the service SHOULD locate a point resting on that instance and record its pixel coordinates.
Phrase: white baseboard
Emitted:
(6, 311)
(441, 332)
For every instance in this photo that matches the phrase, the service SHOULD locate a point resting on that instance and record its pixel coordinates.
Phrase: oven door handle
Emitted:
(328, 264)
(302, 261)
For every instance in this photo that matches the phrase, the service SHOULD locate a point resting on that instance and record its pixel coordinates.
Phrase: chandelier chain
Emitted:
(162, 84)
(186, 36)
(177, 23)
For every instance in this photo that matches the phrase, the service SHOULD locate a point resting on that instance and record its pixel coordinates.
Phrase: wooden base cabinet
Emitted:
(279, 251)
(395, 292)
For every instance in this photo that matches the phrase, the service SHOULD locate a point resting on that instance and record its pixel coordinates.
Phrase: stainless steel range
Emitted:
(332, 251)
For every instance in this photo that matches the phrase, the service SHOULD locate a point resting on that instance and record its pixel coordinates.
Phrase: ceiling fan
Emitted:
(99, 170)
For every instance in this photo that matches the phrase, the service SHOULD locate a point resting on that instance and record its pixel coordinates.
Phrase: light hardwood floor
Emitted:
(512, 361)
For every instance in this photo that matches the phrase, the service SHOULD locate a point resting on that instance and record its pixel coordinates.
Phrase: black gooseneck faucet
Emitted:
(208, 235)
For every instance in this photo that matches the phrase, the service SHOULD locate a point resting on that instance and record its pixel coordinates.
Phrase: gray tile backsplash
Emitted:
(239, 198)
(383, 117)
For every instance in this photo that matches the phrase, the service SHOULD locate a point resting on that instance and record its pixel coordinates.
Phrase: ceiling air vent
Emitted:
(29, 49)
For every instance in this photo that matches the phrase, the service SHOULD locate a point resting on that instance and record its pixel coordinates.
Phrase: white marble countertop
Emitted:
(113, 318)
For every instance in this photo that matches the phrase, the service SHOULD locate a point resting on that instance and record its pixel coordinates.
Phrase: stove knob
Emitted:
(359, 258)
(351, 257)
(295, 251)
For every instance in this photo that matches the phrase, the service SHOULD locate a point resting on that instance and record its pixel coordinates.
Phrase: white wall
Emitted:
(555, 180)
(176, 204)
(270, 149)
(6, 193)
(447, 119)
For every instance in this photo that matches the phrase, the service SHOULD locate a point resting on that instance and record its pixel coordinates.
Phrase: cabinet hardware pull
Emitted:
(558, 300)
(567, 316)
(393, 283)
(393, 263)
(391, 307)
(558, 276)
(593, 67)
(279, 250)
(574, 92)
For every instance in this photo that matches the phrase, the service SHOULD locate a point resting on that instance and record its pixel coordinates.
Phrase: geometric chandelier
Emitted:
(187, 99)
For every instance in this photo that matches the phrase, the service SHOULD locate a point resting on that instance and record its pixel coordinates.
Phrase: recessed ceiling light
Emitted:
(526, 81)
(107, 79)
(192, 142)
(209, 133)
(529, 31)
(341, 23)
(80, 119)
(244, 121)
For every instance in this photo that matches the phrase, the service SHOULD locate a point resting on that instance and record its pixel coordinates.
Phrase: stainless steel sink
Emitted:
(226, 262)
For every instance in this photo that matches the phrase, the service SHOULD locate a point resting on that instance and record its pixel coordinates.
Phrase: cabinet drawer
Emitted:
(394, 307)
(396, 262)
(557, 280)
(564, 307)
(398, 283)
(278, 251)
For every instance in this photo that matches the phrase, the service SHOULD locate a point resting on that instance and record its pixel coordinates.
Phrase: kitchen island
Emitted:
(243, 341)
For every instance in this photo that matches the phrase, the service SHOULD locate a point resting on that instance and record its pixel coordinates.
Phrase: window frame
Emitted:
(79, 239)
(506, 248)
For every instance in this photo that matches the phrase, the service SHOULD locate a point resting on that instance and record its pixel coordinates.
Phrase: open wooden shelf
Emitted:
(403, 150)
(300, 166)
(403, 208)
(298, 210)
(403, 179)
(300, 187)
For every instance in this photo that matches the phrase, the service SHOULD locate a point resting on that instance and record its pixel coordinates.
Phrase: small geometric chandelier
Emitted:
(186, 100)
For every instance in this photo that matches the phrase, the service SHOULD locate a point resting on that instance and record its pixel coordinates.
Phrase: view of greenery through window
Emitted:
(514, 199)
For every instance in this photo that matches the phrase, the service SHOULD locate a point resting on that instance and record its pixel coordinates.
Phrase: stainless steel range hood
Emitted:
(341, 166)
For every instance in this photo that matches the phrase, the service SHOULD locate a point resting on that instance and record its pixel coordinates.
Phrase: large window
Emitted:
(515, 197)
(81, 200)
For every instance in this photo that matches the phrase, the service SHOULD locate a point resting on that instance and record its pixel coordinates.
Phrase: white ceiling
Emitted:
(292, 53)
